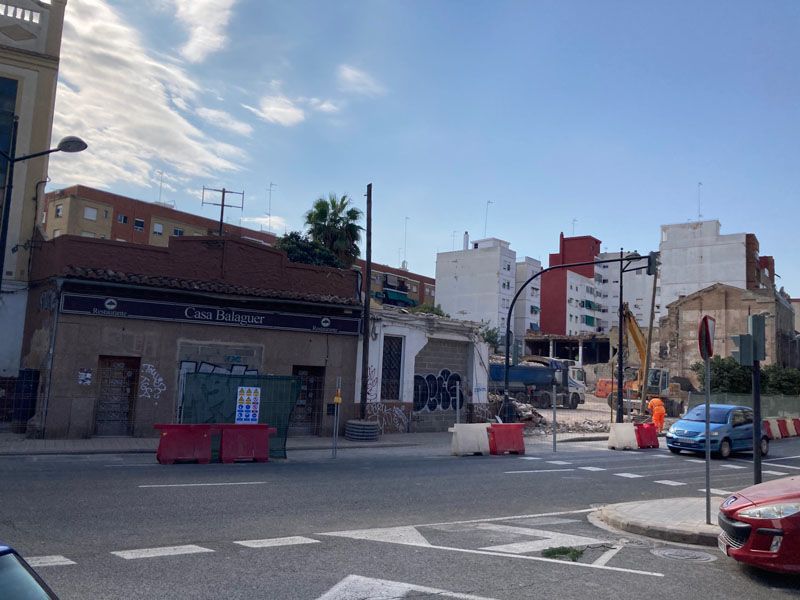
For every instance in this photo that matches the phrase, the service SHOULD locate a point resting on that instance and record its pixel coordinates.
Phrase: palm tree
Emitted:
(333, 222)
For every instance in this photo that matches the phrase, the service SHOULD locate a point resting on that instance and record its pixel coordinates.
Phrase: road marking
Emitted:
(774, 473)
(163, 551)
(716, 492)
(128, 466)
(168, 485)
(591, 469)
(558, 462)
(538, 471)
(550, 539)
(607, 556)
(628, 475)
(784, 458)
(530, 458)
(284, 541)
(668, 482)
(696, 460)
(55, 560)
(354, 587)
(781, 466)
(512, 518)
(733, 466)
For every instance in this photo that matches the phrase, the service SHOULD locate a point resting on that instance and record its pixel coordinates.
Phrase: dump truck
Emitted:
(532, 382)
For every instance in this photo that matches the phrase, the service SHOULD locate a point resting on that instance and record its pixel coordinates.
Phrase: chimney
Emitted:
(466, 240)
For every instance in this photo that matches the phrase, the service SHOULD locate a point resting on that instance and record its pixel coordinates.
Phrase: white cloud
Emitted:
(356, 81)
(125, 103)
(206, 22)
(223, 120)
(278, 109)
(275, 224)
(326, 106)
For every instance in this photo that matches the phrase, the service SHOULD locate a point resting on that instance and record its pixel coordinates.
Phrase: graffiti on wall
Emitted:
(391, 418)
(372, 384)
(151, 383)
(438, 392)
(191, 366)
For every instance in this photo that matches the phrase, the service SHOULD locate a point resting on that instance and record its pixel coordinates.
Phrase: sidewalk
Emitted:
(674, 519)
(17, 444)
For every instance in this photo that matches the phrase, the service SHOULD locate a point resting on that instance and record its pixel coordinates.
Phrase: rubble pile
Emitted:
(586, 426)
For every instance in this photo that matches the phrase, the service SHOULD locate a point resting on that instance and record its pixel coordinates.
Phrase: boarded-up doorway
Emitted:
(119, 376)
(306, 415)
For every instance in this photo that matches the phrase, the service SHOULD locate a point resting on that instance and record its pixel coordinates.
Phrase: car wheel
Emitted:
(724, 449)
(764, 446)
(544, 400)
(574, 400)
(674, 450)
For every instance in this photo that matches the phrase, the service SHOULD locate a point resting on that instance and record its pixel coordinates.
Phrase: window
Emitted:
(138, 224)
(8, 102)
(56, 233)
(105, 214)
(87, 234)
(122, 219)
(158, 229)
(44, 217)
(59, 211)
(177, 232)
(392, 365)
(89, 213)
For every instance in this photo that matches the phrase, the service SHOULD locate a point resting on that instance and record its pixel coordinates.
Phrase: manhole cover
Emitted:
(681, 554)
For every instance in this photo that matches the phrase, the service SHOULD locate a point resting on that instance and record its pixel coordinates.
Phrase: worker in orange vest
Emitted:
(656, 408)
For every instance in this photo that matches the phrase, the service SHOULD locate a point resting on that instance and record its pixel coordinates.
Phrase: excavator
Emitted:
(658, 383)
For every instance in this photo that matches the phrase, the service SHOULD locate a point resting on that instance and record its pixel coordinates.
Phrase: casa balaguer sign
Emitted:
(129, 308)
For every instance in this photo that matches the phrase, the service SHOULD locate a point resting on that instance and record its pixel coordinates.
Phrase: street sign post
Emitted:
(705, 339)
(337, 401)
(757, 330)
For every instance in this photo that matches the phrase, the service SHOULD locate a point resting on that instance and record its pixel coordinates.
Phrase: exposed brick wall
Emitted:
(435, 356)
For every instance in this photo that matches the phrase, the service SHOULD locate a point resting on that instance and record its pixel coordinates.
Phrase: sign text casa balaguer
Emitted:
(129, 308)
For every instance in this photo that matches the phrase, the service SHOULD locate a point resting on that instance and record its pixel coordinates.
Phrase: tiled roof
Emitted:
(216, 287)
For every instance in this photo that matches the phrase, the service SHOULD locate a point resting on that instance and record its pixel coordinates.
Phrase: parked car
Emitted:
(18, 580)
(731, 431)
(761, 525)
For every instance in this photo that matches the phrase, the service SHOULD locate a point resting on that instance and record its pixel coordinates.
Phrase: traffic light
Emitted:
(744, 355)
(755, 327)
(652, 263)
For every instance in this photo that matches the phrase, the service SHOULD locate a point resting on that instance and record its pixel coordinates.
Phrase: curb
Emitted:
(661, 532)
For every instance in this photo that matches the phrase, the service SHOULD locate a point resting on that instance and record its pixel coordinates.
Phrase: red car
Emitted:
(761, 525)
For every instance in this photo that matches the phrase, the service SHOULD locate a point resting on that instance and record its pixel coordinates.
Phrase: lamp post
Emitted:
(67, 144)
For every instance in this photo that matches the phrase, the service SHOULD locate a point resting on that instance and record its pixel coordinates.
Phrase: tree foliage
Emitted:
(333, 223)
(728, 376)
(490, 335)
(777, 380)
(429, 309)
(299, 248)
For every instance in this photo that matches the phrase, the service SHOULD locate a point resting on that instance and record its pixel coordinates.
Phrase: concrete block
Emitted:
(470, 438)
(622, 437)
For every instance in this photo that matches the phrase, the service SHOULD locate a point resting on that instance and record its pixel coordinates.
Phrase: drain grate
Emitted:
(685, 555)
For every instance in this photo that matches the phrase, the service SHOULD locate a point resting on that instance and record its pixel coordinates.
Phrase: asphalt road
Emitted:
(374, 523)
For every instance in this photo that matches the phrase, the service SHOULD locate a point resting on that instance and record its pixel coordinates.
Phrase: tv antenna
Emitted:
(573, 225)
(699, 213)
(270, 187)
(486, 218)
(222, 203)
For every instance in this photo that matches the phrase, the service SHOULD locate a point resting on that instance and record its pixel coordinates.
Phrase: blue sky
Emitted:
(606, 112)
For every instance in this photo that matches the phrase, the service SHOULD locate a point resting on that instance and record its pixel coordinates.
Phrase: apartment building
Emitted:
(637, 288)
(30, 45)
(527, 310)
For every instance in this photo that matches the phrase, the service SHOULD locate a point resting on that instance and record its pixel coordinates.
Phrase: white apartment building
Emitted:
(586, 312)
(695, 256)
(478, 282)
(637, 289)
(529, 304)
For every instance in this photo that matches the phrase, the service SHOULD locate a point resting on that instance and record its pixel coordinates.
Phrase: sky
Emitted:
(520, 119)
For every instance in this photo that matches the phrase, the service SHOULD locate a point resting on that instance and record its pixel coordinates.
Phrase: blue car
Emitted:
(18, 580)
(731, 431)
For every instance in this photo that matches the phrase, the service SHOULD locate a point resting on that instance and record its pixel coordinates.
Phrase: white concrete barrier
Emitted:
(622, 437)
(790, 427)
(470, 438)
(775, 432)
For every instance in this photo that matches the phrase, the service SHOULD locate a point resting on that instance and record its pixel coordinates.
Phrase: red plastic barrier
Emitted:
(796, 425)
(646, 435)
(183, 442)
(506, 437)
(768, 430)
(245, 442)
(783, 428)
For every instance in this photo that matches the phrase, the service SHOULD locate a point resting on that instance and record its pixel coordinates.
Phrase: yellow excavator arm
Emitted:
(636, 335)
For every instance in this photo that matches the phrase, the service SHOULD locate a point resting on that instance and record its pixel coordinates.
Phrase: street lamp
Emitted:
(69, 144)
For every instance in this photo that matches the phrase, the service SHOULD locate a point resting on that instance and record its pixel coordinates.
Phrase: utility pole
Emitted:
(367, 285)
(619, 347)
(652, 268)
(756, 325)
(222, 204)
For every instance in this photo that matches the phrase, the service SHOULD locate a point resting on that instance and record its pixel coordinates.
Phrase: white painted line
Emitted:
(128, 466)
(668, 482)
(774, 473)
(592, 469)
(781, 466)
(784, 458)
(628, 475)
(607, 556)
(538, 471)
(271, 543)
(548, 539)
(55, 560)
(513, 517)
(163, 551)
(558, 462)
(716, 492)
(355, 587)
(530, 458)
(733, 467)
(169, 485)
(696, 460)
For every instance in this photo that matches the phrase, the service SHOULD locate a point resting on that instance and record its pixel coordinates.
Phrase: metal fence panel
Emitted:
(212, 398)
(772, 406)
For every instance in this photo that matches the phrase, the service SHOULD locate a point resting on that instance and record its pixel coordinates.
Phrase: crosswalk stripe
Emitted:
(558, 462)
(628, 475)
(592, 468)
(733, 466)
(163, 551)
(774, 473)
(530, 458)
(716, 492)
(55, 560)
(669, 482)
(284, 541)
